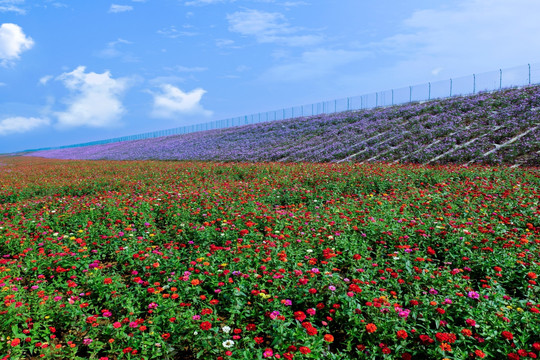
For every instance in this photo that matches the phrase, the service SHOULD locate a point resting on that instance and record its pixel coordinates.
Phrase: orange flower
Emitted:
(195, 282)
(479, 353)
(371, 328)
(15, 342)
(445, 347)
(402, 334)
(328, 338)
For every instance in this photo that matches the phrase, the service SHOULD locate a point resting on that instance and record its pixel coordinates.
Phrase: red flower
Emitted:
(304, 350)
(386, 350)
(371, 328)
(15, 342)
(166, 336)
(107, 281)
(507, 335)
(258, 340)
(311, 331)
(300, 316)
(513, 356)
(251, 327)
(522, 352)
(207, 325)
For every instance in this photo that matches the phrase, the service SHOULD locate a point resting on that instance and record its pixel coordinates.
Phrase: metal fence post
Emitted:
(500, 79)
(450, 87)
(429, 91)
(410, 93)
(376, 99)
(474, 84)
(335, 105)
(529, 73)
(392, 96)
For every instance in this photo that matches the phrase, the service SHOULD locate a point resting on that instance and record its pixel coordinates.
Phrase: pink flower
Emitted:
(268, 353)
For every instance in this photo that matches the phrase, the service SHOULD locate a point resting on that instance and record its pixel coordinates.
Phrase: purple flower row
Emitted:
(480, 128)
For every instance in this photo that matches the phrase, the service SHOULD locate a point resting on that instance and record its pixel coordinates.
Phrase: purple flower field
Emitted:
(501, 127)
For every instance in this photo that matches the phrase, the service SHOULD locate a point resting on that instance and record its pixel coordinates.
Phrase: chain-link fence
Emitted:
(489, 81)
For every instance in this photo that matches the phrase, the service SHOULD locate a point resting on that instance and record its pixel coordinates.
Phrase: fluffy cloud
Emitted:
(13, 42)
(470, 36)
(269, 27)
(19, 124)
(120, 8)
(45, 79)
(313, 64)
(172, 102)
(95, 100)
(12, 5)
(203, 2)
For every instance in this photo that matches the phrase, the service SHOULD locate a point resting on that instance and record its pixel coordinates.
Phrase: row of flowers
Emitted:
(492, 128)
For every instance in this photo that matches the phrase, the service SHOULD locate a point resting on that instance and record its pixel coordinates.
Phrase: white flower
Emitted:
(228, 343)
(195, 333)
(226, 329)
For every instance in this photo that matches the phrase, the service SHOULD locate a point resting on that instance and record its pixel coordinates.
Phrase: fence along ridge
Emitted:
(466, 85)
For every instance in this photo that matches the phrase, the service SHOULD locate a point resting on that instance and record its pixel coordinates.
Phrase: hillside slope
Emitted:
(493, 128)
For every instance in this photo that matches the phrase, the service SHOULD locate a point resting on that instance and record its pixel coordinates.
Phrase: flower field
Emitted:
(184, 260)
(501, 127)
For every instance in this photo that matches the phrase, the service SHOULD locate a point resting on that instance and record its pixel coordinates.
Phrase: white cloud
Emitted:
(13, 42)
(313, 64)
(225, 43)
(120, 8)
(2, 84)
(204, 2)
(471, 36)
(45, 79)
(181, 68)
(111, 51)
(19, 124)
(269, 27)
(173, 33)
(172, 102)
(294, 3)
(95, 101)
(11, 5)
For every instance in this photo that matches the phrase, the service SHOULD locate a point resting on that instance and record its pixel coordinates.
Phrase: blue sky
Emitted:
(77, 71)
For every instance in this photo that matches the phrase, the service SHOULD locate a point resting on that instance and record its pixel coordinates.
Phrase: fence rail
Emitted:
(489, 81)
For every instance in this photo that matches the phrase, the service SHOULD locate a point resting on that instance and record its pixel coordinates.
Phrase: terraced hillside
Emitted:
(492, 128)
